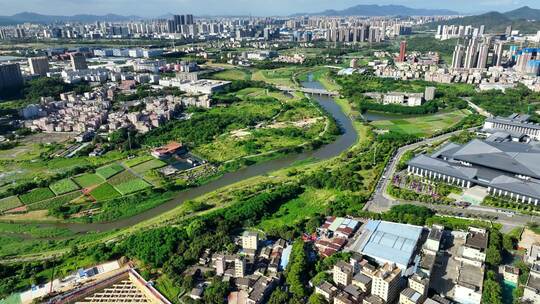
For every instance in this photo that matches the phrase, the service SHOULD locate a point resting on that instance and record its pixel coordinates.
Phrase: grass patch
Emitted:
(104, 192)
(309, 203)
(132, 186)
(121, 178)
(9, 203)
(149, 165)
(109, 171)
(64, 186)
(425, 125)
(88, 180)
(137, 160)
(36, 195)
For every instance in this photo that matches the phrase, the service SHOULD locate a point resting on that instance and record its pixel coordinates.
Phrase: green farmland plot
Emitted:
(88, 180)
(36, 195)
(121, 178)
(55, 201)
(9, 203)
(104, 192)
(132, 186)
(137, 160)
(64, 186)
(149, 165)
(109, 171)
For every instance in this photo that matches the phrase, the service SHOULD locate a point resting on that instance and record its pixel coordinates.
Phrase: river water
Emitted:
(342, 143)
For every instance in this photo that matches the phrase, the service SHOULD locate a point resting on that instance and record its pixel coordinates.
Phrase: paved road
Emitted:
(381, 201)
(477, 108)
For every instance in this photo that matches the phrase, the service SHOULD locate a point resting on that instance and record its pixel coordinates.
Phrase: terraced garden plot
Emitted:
(36, 195)
(121, 178)
(137, 160)
(63, 186)
(109, 171)
(9, 203)
(55, 201)
(88, 180)
(104, 192)
(132, 186)
(149, 165)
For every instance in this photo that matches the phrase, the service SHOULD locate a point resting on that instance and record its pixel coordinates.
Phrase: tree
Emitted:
(317, 298)
(492, 289)
(216, 293)
(296, 274)
(279, 296)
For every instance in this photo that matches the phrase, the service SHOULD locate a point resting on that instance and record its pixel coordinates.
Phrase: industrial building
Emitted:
(498, 168)
(388, 242)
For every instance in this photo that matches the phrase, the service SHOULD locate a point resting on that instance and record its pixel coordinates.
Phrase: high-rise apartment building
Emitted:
(457, 57)
(78, 61)
(10, 76)
(39, 65)
(402, 51)
(483, 53)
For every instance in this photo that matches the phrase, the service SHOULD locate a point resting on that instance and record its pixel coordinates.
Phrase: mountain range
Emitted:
(39, 18)
(525, 19)
(383, 10)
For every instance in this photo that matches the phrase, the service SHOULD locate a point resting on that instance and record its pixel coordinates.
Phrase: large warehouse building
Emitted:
(501, 168)
(388, 242)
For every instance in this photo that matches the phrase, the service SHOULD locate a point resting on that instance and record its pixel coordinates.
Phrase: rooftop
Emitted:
(477, 240)
(470, 276)
(388, 242)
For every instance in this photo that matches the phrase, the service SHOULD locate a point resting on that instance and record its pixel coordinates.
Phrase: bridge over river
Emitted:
(311, 91)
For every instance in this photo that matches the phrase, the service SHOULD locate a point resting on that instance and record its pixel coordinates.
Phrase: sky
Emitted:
(154, 8)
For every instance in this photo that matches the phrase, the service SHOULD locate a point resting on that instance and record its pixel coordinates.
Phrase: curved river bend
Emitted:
(344, 142)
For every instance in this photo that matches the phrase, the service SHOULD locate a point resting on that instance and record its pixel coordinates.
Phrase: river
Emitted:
(342, 143)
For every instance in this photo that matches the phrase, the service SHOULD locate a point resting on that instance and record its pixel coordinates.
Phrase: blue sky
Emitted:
(237, 7)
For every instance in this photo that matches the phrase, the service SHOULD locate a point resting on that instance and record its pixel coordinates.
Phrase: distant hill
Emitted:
(525, 12)
(39, 18)
(384, 10)
(522, 19)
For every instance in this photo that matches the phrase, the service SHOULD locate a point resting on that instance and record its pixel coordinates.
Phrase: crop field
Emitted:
(132, 186)
(64, 186)
(9, 203)
(149, 165)
(109, 171)
(55, 201)
(121, 178)
(137, 160)
(104, 192)
(422, 125)
(88, 180)
(36, 195)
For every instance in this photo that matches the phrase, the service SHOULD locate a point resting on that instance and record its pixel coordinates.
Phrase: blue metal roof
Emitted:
(390, 242)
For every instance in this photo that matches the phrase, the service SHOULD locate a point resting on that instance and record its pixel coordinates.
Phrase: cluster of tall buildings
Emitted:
(476, 53)
(445, 32)
(527, 61)
(176, 24)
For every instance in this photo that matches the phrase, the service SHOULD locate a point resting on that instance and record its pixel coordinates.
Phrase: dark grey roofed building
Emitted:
(505, 168)
(517, 123)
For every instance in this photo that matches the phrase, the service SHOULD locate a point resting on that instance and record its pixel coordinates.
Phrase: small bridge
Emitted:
(320, 92)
